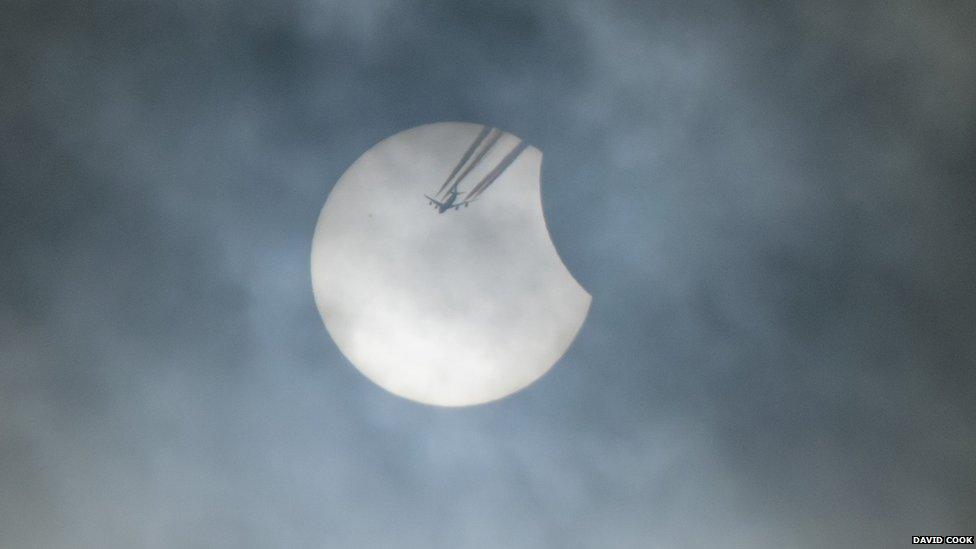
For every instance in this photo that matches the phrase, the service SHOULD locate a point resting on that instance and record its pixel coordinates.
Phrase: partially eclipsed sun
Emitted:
(433, 269)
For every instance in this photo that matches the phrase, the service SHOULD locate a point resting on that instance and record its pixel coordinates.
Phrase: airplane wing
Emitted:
(434, 201)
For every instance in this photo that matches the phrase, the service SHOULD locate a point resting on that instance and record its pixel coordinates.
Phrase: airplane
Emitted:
(449, 203)
(485, 141)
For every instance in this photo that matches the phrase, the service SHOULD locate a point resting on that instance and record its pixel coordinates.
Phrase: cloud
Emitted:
(771, 207)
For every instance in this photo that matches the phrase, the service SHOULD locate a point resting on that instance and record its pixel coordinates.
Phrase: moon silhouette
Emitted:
(434, 271)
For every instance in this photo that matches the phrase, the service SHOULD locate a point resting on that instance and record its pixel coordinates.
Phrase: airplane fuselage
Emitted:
(449, 203)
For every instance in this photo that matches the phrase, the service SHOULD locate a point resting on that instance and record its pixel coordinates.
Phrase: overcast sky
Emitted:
(772, 207)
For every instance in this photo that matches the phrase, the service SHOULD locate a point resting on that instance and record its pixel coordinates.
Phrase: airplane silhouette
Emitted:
(449, 203)
(449, 195)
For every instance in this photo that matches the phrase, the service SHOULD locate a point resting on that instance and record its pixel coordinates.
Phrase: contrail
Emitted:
(481, 154)
(467, 154)
(493, 174)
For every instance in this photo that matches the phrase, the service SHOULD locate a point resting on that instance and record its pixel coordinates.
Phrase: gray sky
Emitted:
(772, 207)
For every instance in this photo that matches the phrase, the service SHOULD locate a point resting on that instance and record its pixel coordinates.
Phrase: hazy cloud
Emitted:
(771, 206)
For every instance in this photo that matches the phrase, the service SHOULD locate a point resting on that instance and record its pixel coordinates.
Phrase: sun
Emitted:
(454, 305)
